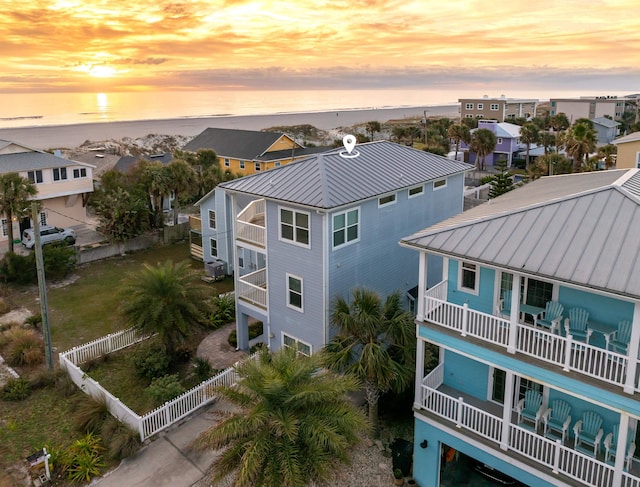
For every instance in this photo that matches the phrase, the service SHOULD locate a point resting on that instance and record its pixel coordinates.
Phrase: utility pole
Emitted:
(42, 287)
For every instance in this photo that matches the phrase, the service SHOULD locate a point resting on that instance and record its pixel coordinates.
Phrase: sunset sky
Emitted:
(117, 45)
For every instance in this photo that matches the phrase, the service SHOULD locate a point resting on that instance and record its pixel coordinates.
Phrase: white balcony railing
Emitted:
(547, 453)
(250, 224)
(253, 288)
(561, 351)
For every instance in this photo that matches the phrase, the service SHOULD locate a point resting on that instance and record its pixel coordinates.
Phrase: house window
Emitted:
(214, 247)
(387, 200)
(59, 173)
(480, 106)
(212, 219)
(227, 163)
(469, 115)
(35, 176)
(80, 173)
(638, 159)
(258, 168)
(43, 218)
(294, 226)
(416, 191)
(468, 106)
(5, 230)
(468, 280)
(242, 164)
(299, 346)
(294, 292)
(494, 107)
(276, 164)
(440, 183)
(499, 141)
(345, 227)
(241, 257)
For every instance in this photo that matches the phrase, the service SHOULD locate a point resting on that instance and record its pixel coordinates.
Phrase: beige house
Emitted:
(63, 185)
(628, 151)
(501, 109)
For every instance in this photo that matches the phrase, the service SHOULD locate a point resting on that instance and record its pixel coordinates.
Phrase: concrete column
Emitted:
(634, 342)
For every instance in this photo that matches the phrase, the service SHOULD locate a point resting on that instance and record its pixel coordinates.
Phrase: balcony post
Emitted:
(515, 313)
(465, 319)
(418, 399)
(556, 456)
(632, 360)
(459, 412)
(567, 352)
(422, 285)
(621, 449)
(507, 407)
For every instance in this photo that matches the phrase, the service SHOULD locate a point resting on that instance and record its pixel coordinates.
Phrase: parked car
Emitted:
(48, 234)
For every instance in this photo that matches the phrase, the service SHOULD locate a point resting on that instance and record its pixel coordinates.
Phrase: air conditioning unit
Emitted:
(216, 269)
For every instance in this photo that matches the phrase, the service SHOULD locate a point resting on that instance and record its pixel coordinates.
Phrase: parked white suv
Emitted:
(48, 234)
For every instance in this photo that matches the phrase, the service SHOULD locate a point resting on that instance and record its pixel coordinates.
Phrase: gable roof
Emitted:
(632, 137)
(31, 159)
(329, 180)
(577, 228)
(240, 144)
(605, 122)
(127, 162)
(505, 130)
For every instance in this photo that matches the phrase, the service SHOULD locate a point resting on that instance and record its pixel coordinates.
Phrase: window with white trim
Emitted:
(299, 346)
(59, 173)
(227, 162)
(346, 227)
(79, 173)
(276, 164)
(469, 115)
(294, 226)
(294, 292)
(468, 277)
(258, 167)
(241, 257)
(43, 218)
(499, 141)
(212, 219)
(468, 106)
(480, 106)
(387, 200)
(5, 229)
(241, 164)
(214, 247)
(494, 107)
(415, 191)
(439, 184)
(35, 176)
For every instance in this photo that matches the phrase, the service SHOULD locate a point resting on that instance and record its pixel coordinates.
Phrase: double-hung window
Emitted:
(294, 292)
(59, 173)
(468, 278)
(346, 227)
(294, 226)
(494, 107)
(35, 176)
(212, 219)
(214, 247)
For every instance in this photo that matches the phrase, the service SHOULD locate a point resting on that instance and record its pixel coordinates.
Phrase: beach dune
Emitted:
(70, 136)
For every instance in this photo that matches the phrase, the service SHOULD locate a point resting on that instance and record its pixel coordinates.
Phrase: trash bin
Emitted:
(402, 455)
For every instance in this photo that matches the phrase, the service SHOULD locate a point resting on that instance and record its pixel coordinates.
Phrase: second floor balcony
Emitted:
(250, 225)
(252, 288)
(561, 351)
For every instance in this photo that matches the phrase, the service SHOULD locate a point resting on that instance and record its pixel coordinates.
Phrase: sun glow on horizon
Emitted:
(102, 71)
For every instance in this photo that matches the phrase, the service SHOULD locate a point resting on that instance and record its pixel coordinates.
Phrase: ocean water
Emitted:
(41, 109)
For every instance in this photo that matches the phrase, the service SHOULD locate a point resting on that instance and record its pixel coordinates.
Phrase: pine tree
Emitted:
(502, 182)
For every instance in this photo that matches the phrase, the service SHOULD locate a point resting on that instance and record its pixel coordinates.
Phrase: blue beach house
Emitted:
(537, 322)
(296, 236)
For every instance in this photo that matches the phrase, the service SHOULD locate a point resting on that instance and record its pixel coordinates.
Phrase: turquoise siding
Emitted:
(426, 463)
(483, 301)
(466, 375)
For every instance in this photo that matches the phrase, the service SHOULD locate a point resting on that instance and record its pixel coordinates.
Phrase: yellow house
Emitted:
(63, 186)
(245, 152)
(628, 151)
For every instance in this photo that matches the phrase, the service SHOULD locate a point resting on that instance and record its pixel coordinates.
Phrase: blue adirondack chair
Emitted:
(576, 324)
(557, 420)
(551, 317)
(618, 341)
(504, 307)
(611, 444)
(530, 409)
(588, 433)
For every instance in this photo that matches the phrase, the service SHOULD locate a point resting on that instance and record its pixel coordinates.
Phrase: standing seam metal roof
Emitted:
(329, 180)
(587, 233)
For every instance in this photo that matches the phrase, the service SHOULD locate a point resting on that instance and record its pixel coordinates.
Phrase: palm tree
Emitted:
(182, 178)
(483, 141)
(580, 140)
(167, 300)
(529, 134)
(372, 127)
(399, 133)
(293, 425)
(155, 180)
(459, 133)
(606, 152)
(15, 196)
(375, 342)
(559, 122)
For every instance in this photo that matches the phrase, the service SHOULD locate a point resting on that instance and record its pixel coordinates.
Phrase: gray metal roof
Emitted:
(238, 144)
(329, 180)
(605, 122)
(582, 229)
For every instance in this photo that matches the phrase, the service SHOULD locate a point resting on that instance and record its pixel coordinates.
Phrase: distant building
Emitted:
(628, 151)
(606, 130)
(507, 142)
(591, 107)
(500, 109)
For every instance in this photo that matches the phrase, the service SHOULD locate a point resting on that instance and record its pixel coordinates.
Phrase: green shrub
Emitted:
(59, 260)
(486, 179)
(202, 369)
(15, 390)
(151, 361)
(163, 389)
(90, 413)
(224, 310)
(34, 320)
(255, 330)
(20, 269)
(85, 457)
(24, 347)
(120, 440)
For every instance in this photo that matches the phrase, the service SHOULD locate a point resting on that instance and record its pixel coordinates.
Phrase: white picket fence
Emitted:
(154, 421)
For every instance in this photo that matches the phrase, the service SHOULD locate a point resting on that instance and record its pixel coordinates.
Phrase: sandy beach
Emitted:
(69, 136)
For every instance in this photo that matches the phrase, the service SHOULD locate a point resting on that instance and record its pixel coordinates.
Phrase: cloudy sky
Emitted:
(118, 45)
